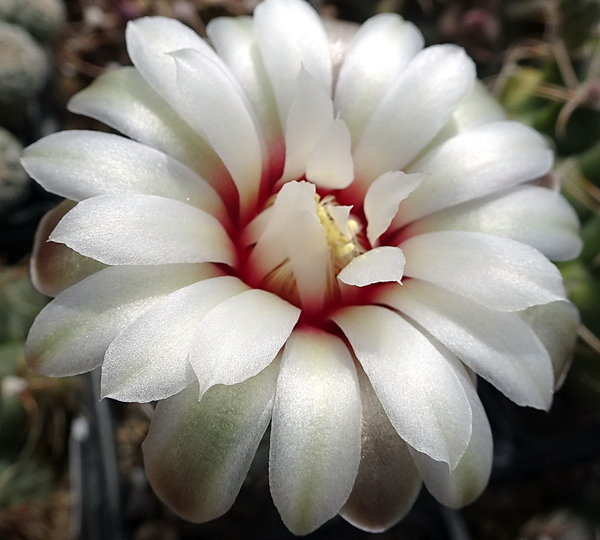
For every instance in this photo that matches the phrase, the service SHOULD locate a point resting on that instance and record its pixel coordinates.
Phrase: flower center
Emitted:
(299, 245)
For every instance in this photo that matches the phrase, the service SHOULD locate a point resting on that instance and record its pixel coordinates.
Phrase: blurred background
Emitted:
(71, 466)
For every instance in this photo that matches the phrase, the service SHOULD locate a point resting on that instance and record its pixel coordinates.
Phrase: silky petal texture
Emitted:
(240, 337)
(555, 324)
(149, 42)
(55, 267)
(330, 163)
(496, 345)
(124, 229)
(498, 273)
(380, 50)
(388, 482)
(123, 100)
(413, 110)
(71, 334)
(290, 36)
(309, 258)
(379, 265)
(213, 104)
(461, 486)
(310, 117)
(418, 390)
(530, 214)
(315, 435)
(383, 199)
(82, 164)
(484, 160)
(148, 361)
(197, 454)
(272, 248)
(235, 41)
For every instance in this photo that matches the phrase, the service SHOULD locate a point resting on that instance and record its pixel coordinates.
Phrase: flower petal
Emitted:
(72, 333)
(379, 265)
(555, 324)
(315, 436)
(413, 110)
(330, 163)
(382, 47)
(197, 454)
(235, 41)
(418, 390)
(149, 360)
(497, 272)
(290, 35)
(82, 164)
(213, 104)
(495, 344)
(484, 160)
(143, 229)
(123, 100)
(383, 199)
(55, 267)
(240, 337)
(388, 482)
(310, 117)
(530, 214)
(461, 486)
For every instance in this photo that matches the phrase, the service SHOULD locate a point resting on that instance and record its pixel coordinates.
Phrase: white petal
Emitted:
(530, 214)
(150, 39)
(484, 160)
(461, 486)
(310, 116)
(496, 345)
(497, 272)
(82, 164)
(379, 265)
(212, 103)
(240, 337)
(123, 100)
(196, 455)
(315, 436)
(235, 41)
(143, 229)
(555, 324)
(148, 361)
(383, 199)
(380, 50)
(388, 482)
(418, 390)
(55, 267)
(413, 110)
(290, 35)
(330, 163)
(71, 334)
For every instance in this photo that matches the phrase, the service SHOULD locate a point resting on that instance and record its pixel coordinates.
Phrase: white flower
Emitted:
(249, 249)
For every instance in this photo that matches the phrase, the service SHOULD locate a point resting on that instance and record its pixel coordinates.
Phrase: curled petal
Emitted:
(497, 272)
(315, 437)
(197, 454)
(419, 391)
(148, 361)
(379, 265)
(388, 482)
(240, 337)
(495, 344)
(71, 334)
(461, 486)
(143, 229)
